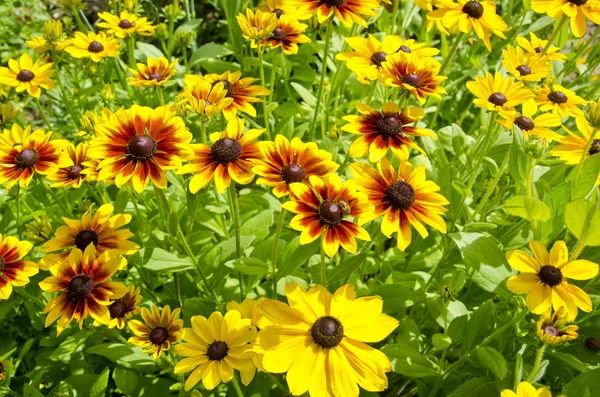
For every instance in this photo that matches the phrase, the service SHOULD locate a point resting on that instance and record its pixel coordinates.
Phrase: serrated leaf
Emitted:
(527, 208)
(492, 360)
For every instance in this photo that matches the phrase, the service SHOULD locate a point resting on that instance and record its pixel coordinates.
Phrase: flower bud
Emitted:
(162, 31)
(593, 114)
(108, 92)
(53, 30)
(536, 147)
(39, 230)
(7, 112)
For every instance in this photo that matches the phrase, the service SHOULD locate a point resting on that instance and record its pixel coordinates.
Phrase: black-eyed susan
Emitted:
(498, 93)
(553, 329)
(71, 176)
(24, 153)
(215, 348)
(571, 148)
(4, 369)
(404, 199)
(102, 230)
(320, 340)
(535, 46)
(418, 75)
(25, 75)
(432, 20)
(139, 145)
(256, 25)
(467, 15)
(525, 389)
(388, 129)
(282, 7)
(525, 68)
(559, 100)
(83, 280)
(327, 207)
(241, 90)
(530, 124)
(155, 72)
(93, 46)
(158, 331)
(544, 279)
(204, 97)
(579, 11)
(282, 163)
(122, 309)
(14, 270)
(287, 35)
(347, 11)
(125, 24)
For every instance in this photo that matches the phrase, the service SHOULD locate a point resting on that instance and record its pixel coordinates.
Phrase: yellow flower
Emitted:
(524, 389)
(530, 125)
(204, 97)
(108, 92)
(559, 100)
(579, 11)
(71, 176)
(158, 331)
(346, 11)
(8, 112)
(156, 72)
(551, 328)
(93, 46)
(125, 24)
(14, 270)
(593, 114)
(122, 309)
(53, 29)
(287, 35)
(256, 25)
(319, 340)
(4, 369)
(240, 90)
(544, 279)
(216, 347)
(525, 68)
(282, 7)
(498, 93)
(536, 45)
(26, 75)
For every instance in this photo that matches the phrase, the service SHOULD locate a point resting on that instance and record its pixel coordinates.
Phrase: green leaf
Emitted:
(68, 346)
(221, 252)
(584, 178)
(99, 387)
(540, 23)
(345, 269)
(208, 51)
(518, 161)
(476, 387)
(189, 26)
(125, 355)
(583, 220)
(492, 360)
(484, 261)
(480, 325)
(295, 255)
(588, 383)
(557, 200)
(149, 50)
(409, 362)
(527, 208)
(163, 261)
(125, 379)
(250, 266)
(258, 226)
(306, 95)
(30, 391)
(173, 223)
(397, 296)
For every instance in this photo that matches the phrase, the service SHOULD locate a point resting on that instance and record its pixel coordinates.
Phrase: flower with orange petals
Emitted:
(346, 11)
(158, 331)
(241, 90)
(14, 270)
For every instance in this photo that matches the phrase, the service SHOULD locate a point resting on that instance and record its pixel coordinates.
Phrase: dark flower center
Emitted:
(279, 34)
(25, 75)
(159, 335)
(404, 48)
(156, 76)
(334, 3)
(557, 97)
(400, 195)
(473, 9)
(412, 79)
(80, 287)
(226, 150)
(118, 309)
(292, 173)
(141, 147)
(538, 49)
(578, 2)
(524, 70)
(329, 212)
(27, 158)
(217, 350)
(549, 329)
(550, 275)
(95, 47)
(85, 238)
(524, 123)
(75, 171)
(497, 98)
(378, 58)
(126, 24)
(594, 147)
(278, 12)
(227, 86)
(327, 332)
(389, 126)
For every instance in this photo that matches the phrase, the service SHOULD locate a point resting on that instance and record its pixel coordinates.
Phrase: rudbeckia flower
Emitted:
(155, 72)
(347, 11)
(93, 46)
(535, 46)
(122, 309)
(404, 199)
(14, 270)
(240, 90)
(319, 340)
(524, 389)
(158, 331)
(282, 163)
(552, 328)
(202, 96)
(256, 26)
(416, 74)
(83, 280)
(27, 76)
(102, 230)
(24, 153)
(388, 129)
(139, 145)
(282, 7)
(3, 369)
(530, 124)
(498, 93)
(125, 24)
(327, 207)
(571, 148)
(579, 11)
(525, 68)
(428, 5)
(544, 279)
(230, 157)
(287, 35)
(71, 176)
(559, 100)
(215, 348)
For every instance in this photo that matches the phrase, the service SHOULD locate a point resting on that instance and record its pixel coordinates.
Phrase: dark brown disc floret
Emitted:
(27, 158)
(329, 213)
(217, 350)
(400, 195)
(80, 287)
(550, 275)
(159, 335)
(141, 147)
(293, 173)
(226, 150)
(85, 238)
(327, 332)
(473, 9)
(95, 47)
(25, 75)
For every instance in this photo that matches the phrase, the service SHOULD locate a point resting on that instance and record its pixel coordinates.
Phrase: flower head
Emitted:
(535, 46)
(498, 93)
(158, 331)
(579, 11)
(282, 7)
(155, 72)
(204, 97)
(552, 328)
(572, 146)
(123, 308)
(523, 67)
(559, 100)
(25, 75)
(347, 11)
(256, 25)
(530, 124)
(93, 46)
(72, 175)
(524, 389)
(287, 35)
(240, 90)
(4, 369)
(14, 270)
(125, 24)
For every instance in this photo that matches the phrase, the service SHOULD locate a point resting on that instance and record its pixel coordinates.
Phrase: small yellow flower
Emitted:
(523, 67)
(287, 35)
(15, 271)
(53, 29)
(93, 46)
(26, 75)
(125, 24)
(530, 125)
(282, 7)
(155, 72)
(524, 389)
(593, 114)
(498, 93)
(122, 309)
(535, 46)
(158, 331)
(108, 92)
(256, 25)
(552, 328)
(202, 96)
(579, 11)
(559, 100)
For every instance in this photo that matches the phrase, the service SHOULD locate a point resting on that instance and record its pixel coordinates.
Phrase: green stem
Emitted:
(19, 229)
(171, 28)
(557, 30)
(488, 140)
(579, 52)
(159, 94)
(280, 222)
(392, 26)
(235, 208)
(130, 51)
(203, 130)
(323, 267)
(371, 91)
(42, 112)
(529, 188)
(273, 75)
(577, 251)
(177, 285)
(56, 199)
(311, 132)
(261, 67)
(80, 24)
(33, 299)
(536, 366)
(66, 98)
(451, 53)
(236, 385)
(281, 387)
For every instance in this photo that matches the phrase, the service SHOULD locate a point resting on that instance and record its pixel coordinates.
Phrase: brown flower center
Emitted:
(80, 287)
(75, 171)
(327, 332)
(278, 12)
(538, 49)
(95, 47)
(141, 147)
(118, 309)
(389, 126)
(557, 97)
(226, 150)
(412, 80)
(498, 99)
(550, 275)
(227, 86)
(404, 48)
(524, 123)
(27, 158)
(594, 147)
(292, 173)
(279, 34)
(126, 24)
(523, 70)
(155, 76)
(159, 335)
(378, 58)
(473, 9)
(329, 212)
(217, 350)
(549, 329)
(400, 195)
(25, 75)
(335, 3)
(578, 2)
(85, 238)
